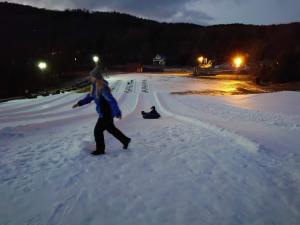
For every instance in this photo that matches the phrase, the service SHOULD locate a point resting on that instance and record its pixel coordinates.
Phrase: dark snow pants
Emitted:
(107, 124)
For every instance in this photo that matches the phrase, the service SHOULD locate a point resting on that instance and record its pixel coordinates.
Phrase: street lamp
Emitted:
(95, 59)
(238, 61)
(200, 59)
(42, 65)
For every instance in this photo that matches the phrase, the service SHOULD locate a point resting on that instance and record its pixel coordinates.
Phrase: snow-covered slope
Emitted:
(208, 160)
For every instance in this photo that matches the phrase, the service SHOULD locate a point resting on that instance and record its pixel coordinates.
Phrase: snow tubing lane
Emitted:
(241, 140)
(28, 114)
(66, 119)
(35, 115)
(34, 103)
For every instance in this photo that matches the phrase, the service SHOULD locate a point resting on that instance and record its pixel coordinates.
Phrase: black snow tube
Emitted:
(150, 115)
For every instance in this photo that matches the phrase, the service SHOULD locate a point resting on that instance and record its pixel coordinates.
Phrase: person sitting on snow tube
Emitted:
(153, 114)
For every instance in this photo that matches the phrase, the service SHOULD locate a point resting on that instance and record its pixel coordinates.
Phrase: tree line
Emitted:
(68, 39)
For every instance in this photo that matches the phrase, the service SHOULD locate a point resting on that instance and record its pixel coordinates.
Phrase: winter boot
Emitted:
(125, 145)
(98, 152)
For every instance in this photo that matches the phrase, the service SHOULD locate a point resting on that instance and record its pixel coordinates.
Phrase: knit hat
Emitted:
(96, 72)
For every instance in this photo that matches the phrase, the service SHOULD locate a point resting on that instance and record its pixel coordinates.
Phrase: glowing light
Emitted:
(96, 59)
(200, 59)
(238, 61)
(42, 65)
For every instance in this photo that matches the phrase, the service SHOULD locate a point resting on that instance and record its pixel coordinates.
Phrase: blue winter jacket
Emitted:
(105, 92)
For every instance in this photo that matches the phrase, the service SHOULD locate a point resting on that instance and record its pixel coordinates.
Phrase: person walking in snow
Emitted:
(107, 108)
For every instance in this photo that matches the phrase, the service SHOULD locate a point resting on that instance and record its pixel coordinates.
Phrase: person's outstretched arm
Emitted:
(86, 100)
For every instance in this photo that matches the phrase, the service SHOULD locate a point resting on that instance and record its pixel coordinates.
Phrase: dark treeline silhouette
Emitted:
(68, 39)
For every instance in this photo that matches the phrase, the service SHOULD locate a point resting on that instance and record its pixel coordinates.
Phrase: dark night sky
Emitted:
(205, 12)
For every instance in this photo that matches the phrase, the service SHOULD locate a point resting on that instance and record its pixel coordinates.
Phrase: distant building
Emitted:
(159, 60)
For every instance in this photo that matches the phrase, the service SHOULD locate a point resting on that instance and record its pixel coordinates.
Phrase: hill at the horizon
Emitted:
(30, 34)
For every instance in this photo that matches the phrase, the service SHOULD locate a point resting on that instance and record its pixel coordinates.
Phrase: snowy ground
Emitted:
(208, 160)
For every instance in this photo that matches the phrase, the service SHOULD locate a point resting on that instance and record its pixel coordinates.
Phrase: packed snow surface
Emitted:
(208, 160)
